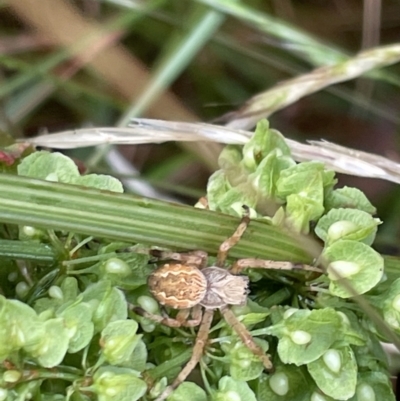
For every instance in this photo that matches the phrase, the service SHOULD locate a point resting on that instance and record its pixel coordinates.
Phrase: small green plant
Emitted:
(67, 330)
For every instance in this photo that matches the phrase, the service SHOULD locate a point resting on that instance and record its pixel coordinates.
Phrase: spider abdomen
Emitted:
(177, 285)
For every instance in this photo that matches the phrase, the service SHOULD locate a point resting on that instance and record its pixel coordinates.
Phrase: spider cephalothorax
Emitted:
(187, 284)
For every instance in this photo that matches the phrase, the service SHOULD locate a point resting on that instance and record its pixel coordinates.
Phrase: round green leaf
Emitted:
(389, 303)
(49, 166)
(233, 390)
(53, 345)
(112, 383)
(107, 303)
(337, 379)
(188, 391)
(348, 197)
(370, 265)
(350, 224)
(118, 340)
(373, 384)
(19, 326)
(138, 358)
(58, 167)
(100, 181)
(78, 321)
(244, 365)
(320, 327)
(287, 383)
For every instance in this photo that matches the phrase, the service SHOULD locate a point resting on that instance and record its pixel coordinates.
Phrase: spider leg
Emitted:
(245, 336)
(234, 239)
(202, 203)
(197, 353)
(180, 320)
(241, 264)
(195, 258)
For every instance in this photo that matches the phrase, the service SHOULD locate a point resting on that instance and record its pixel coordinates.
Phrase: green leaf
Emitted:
(389, 303)
(253, 318)
(307, 179)
(265, 177)
(78, 321)
(49, 166)
(112, 383)
(188, 391)
(230, 389)
(302, 186)
(138, 358)
(353, 332)
(373, 386)
(335, 372)
(304, 336)
(350, 224)
(287, 383)
(139, 271)
(301, 211)
(47, 305)
(245, 365)
(69, 287)
(348, 197)
(6, 346)
(25, 391)
(229, 161)
(53, 345)
(118, 340)
(217, 186)
(108, 304)
(357, 263)
(230, 157)
(19, 326)
(372, 356)
(263, 141)
(232, 201)
(100, 181)
(60, 168)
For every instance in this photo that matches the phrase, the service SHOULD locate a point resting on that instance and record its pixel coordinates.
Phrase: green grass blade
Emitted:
(181, 53)
(122, 217)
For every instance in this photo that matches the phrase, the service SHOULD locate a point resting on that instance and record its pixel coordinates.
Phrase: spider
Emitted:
(189, 285)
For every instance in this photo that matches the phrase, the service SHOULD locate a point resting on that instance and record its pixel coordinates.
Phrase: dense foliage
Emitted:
(67, 329)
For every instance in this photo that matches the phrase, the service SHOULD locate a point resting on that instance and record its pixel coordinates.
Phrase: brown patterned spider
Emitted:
(189, 285)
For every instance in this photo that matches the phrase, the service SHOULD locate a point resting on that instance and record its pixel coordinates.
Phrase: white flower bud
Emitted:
(340, 229)
(11, 376)
(279, 383)
(333, 360)
(342, 269)
(317, 397)
(56, 292)
(365, 393)
(300, 337)
(22, 289)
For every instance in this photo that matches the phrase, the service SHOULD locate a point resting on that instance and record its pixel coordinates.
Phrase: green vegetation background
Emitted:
(69, 64)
